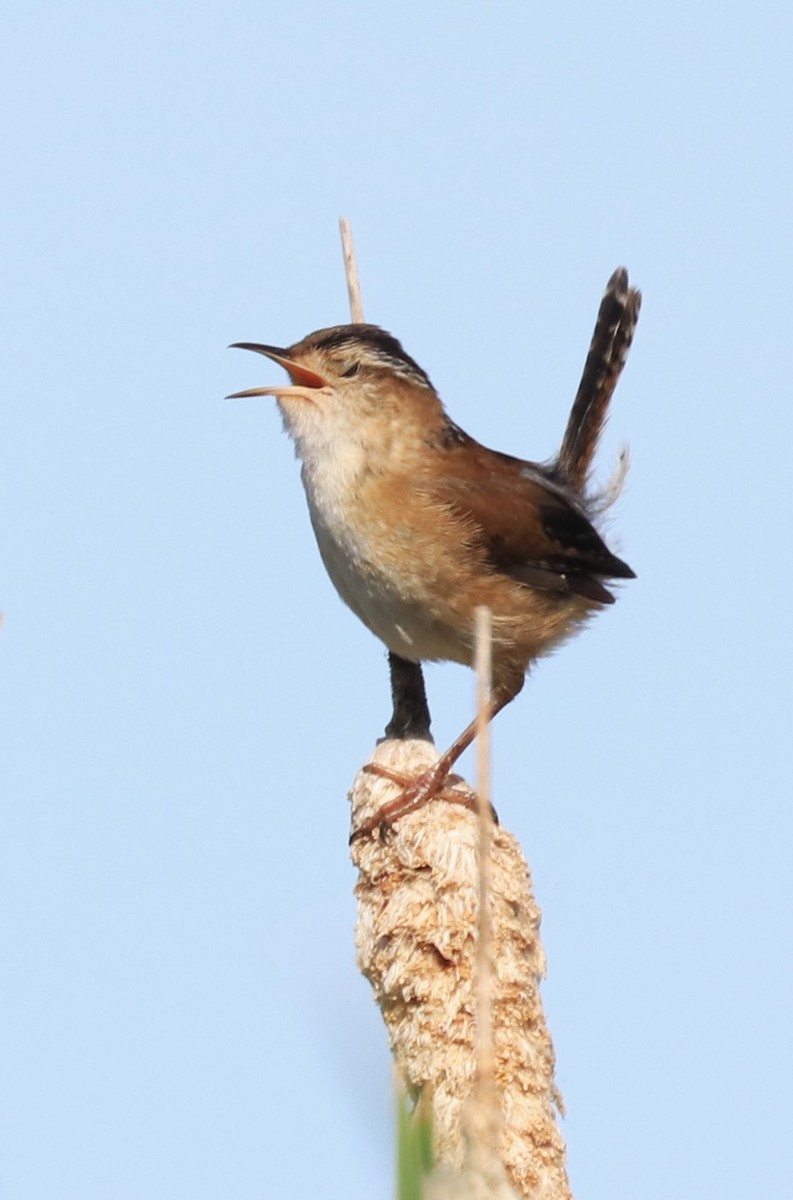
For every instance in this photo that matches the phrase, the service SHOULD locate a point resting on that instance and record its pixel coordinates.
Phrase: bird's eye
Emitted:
(351, 371)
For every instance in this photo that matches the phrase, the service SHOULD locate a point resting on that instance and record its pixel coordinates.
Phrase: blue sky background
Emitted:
(184, 699)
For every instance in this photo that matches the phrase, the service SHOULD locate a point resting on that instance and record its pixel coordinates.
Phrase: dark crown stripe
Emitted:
(381, 345)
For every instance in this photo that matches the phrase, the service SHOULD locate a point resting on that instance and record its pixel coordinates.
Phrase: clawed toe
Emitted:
(373, 768)
(434, 783)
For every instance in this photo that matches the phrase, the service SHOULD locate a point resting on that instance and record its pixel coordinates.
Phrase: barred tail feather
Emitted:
(611, 341)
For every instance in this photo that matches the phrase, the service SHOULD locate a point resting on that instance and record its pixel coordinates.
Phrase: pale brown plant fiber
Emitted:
(416, 935)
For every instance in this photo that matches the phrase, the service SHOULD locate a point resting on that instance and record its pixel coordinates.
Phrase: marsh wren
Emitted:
(418, 524)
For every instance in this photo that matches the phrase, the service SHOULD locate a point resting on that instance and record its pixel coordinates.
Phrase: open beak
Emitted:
(304, 381)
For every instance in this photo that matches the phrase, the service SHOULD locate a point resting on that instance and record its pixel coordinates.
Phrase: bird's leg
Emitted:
(431, 783)
(411, 716)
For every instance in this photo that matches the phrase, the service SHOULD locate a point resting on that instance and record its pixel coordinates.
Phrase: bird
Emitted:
(418, 524)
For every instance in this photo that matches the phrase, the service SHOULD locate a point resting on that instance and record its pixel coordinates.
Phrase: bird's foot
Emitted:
(434, 783)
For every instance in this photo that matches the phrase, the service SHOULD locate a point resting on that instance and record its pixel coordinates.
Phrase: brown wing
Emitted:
(530, 526)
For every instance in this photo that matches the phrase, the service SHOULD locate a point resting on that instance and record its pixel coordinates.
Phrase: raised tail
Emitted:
(611, 341)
